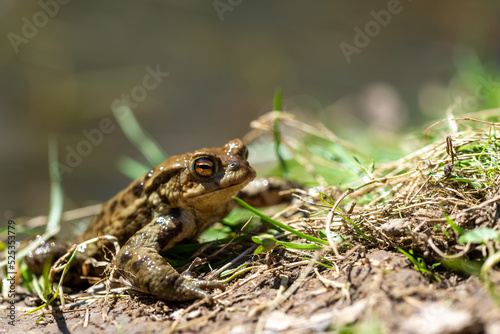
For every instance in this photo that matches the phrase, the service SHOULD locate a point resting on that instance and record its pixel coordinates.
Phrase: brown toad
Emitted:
(175, 201)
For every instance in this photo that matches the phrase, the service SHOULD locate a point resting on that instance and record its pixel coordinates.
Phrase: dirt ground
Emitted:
(376, 290)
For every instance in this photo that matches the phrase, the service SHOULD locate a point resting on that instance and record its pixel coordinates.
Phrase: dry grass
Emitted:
(422, 203)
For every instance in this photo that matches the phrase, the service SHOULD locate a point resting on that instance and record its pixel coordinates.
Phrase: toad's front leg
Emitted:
(140, 262)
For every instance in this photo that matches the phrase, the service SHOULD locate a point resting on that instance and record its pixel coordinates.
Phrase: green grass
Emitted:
(278, 224)
(420, 264)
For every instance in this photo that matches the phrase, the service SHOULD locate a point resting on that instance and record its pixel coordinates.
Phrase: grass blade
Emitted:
(278, 224)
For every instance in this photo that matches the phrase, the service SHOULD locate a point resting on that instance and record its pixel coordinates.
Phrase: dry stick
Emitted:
(440, 253)
(460, 119)
(299, 252)
(57, 267)
(485, 203)
(400, 164)
(384, 180)
(409, 189)
(457, 193)
(473, 171)
(288, 208)
(280, 299)
(69, 215)
(431, 150)
(426, 181)
(87, 316)
(283, 285)
(275, 303)
(217, 272)
(470, 155)
(451, 200)
(333, 243)
(199, 319)
(256, 275)
(415, 205)
(342, 286)
(321, 132)
(236, 236)
(64, 311)
(186, 310)
(481, 166)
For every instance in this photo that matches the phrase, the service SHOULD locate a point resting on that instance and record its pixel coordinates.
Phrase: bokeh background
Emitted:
(63, 63)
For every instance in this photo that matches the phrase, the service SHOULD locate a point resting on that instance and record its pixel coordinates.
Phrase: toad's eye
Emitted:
(204, 167)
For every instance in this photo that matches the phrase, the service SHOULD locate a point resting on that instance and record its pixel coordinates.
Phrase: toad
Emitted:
(175, 201)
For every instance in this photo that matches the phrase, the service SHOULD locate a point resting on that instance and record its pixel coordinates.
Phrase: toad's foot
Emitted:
(140, 262)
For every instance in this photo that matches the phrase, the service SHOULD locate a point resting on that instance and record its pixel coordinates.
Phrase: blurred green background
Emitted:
(62, 64)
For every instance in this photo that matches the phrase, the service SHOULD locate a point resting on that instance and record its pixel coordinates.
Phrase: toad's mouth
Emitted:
(230, 190)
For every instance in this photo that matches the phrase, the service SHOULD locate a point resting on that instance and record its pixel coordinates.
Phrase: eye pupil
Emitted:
(204, 167)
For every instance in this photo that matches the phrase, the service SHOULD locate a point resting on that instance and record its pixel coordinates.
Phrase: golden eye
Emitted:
(204, 167)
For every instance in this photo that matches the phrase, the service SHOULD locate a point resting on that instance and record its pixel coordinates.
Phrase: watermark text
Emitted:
(372, 29)
(223, 6)
(30, 27)
(73, 155)
(10, 280)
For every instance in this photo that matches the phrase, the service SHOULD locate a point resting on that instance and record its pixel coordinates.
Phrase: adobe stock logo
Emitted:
(93, 138)
(74, 155)
(139, 93)
(221, 7)
(29, 29)
(372, 29)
